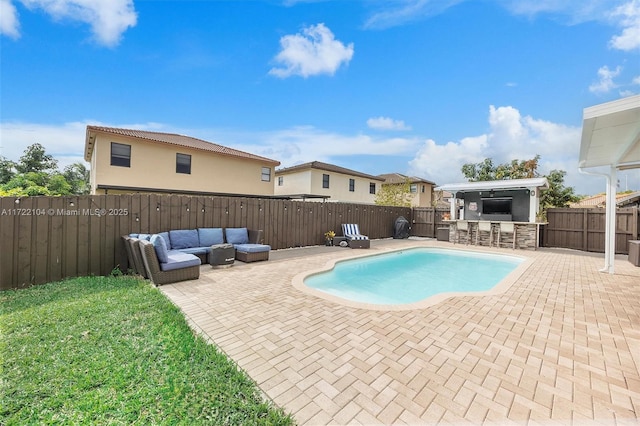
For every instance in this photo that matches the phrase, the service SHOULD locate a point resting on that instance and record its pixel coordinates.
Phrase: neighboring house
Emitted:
(126, 161)
(421, 189)
(442, 198)
(316, 180)
(624, 199)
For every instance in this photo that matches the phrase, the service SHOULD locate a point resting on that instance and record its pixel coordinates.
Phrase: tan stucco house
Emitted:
(126, 161)
(322, 181)
(421, 190)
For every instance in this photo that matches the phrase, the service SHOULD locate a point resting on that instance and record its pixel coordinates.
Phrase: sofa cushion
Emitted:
(184, 238)
(178, 260)
(210, 236)
(252, 248)
(237, 235)
(167, 240)
(145, 237)
(161, 247)
(195, 250)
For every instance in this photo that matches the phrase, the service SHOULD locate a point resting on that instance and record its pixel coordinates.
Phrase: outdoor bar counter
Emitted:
(501, 213)
(527, 234)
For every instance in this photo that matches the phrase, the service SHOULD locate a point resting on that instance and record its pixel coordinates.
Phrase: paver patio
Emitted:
(561, 345)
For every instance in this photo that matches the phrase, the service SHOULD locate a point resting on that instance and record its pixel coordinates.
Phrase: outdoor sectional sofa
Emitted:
(175, 255)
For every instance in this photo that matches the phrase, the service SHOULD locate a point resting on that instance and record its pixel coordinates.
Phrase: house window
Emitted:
(280, 180)
(120, 155)
(372, 188)
(352, 185)
(325, 181)
(266, 174)
(423, 189)
(414, 188)
(183, 163)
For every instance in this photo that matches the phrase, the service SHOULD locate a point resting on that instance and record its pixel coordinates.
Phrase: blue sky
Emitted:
(411, 86)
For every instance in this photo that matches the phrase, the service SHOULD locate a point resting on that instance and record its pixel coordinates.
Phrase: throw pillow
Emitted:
(161, 248)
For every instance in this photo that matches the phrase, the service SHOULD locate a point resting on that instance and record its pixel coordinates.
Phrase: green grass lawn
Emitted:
(114, 350)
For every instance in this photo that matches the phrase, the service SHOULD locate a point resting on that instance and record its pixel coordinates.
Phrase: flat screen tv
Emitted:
(496, 205)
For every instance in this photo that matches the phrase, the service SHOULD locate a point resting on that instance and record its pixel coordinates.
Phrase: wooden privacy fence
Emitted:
(44, 239)
(426, 220)
(584, 229)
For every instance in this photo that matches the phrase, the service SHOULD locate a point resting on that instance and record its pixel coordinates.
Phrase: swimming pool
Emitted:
(412, 275)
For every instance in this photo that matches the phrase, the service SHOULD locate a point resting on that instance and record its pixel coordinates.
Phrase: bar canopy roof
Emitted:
(611, 135)
(496, 185)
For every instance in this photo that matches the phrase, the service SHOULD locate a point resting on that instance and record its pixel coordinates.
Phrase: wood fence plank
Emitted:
(8, 242)
(56, 235)
(25, 243)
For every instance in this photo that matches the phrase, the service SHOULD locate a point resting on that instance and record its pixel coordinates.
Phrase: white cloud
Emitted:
(442, 163)
(386, 123)
(576, 11)
(628, 17)
(306, 143)
(605, 83)
(9, 24)
(399, 12)
(108, 19)
(511, 136)
(313, 51)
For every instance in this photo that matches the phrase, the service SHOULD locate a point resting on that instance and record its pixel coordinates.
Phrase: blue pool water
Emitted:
(412, 275)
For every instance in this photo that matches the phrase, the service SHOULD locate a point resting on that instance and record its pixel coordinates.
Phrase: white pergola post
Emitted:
(453, 207)
(611, 138)
(534, 203)
(610, 226)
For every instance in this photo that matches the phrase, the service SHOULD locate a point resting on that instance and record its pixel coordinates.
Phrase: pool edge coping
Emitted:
(501, 287)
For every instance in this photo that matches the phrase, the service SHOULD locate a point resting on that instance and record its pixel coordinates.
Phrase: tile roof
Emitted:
(172, 139)
(400, 178)
(327, 167)
(598, 200)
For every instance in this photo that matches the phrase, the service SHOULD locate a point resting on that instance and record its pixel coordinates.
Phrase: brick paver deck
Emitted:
(561, 345)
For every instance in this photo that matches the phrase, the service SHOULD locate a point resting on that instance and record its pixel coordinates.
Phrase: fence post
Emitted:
(585, 229)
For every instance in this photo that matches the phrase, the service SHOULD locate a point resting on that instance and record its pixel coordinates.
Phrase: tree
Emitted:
(35, 159)
(27, 184)
(395, 194)
(77, 176)
(37, 174)
(516, 169)
(557, 195)
(7, 170)
(479, 172)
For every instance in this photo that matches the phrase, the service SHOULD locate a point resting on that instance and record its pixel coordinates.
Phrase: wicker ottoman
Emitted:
(363, 244)
(252, 252)
(222, 255)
